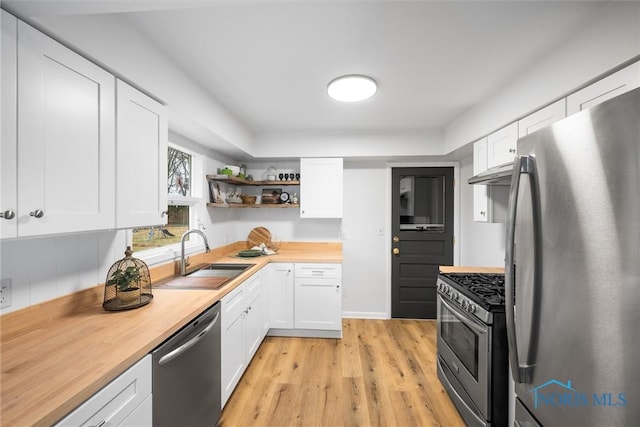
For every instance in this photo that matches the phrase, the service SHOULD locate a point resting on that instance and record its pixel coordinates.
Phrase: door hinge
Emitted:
(454, 240)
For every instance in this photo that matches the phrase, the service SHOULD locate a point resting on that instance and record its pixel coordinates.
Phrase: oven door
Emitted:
(463, 346)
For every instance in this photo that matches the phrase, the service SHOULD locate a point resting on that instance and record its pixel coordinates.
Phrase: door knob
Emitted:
(38, 213)
(396, 239)
(396, 251)
(7, 214)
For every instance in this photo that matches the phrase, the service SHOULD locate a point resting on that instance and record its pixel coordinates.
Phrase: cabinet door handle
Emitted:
(512, 150)
(38, 213)
(8, 214)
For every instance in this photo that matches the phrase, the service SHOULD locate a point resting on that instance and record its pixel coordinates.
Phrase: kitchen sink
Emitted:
(220, 270)
(210, 276)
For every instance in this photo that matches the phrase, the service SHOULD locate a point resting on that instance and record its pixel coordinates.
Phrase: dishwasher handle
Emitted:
(186, 346)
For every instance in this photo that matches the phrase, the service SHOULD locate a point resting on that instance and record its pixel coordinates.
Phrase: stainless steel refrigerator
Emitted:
(573, 270)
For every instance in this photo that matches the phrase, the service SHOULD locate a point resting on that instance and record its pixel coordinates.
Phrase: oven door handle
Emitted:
(467, 321)
(522, 372)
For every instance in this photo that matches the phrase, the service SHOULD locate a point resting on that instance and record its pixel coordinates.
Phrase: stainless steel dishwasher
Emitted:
(186, 374)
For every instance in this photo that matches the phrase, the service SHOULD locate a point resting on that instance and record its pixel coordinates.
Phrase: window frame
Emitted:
(196, 205)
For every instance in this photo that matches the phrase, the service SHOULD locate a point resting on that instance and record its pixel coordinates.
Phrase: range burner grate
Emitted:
(481, 287)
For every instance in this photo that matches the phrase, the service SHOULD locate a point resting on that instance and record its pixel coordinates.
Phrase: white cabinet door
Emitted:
(611, 86)
(480, 192)
(112, 405)
(280, 284)
(318, 304)
(141, 416)
(254, 320)
(318, 296)
(66, 139)
(321, 191)
(243, 329)
(233, 341)
(8, 149)
(542, 118)
(142, 137)
(501, 145)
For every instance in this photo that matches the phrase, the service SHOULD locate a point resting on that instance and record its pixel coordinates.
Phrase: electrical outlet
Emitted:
(5, 293)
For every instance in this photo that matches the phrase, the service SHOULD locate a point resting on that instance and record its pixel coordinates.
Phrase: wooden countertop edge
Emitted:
(32, 338)
(470, 269)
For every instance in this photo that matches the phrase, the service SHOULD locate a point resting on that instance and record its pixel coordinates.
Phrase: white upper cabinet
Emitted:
(542, 118)
(321, 188)
(66, 139)
(611, 86)
(501, 145)
(8, 149)
(142, 137)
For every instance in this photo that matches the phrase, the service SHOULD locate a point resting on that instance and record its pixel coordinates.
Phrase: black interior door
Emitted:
(422, 233)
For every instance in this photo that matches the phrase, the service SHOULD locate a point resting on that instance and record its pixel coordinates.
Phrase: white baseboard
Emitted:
(365, 315)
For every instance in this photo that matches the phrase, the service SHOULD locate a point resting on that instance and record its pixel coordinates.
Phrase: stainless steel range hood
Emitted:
(498, 175)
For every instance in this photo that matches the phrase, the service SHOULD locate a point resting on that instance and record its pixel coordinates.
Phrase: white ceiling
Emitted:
(268, 62)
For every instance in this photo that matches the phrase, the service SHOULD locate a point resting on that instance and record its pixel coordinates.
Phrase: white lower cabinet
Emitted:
(318, 297)
(243, 328)
(280, 284)
(126, 401)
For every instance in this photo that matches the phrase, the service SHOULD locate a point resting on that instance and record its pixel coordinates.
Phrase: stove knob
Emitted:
(472, 308)
(454, 296)
(465, 304)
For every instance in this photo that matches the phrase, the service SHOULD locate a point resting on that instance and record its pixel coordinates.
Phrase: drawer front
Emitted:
(232, 305)
(318, 270)
(113, 404)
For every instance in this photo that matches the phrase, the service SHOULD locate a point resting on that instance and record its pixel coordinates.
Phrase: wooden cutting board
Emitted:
(259, 235)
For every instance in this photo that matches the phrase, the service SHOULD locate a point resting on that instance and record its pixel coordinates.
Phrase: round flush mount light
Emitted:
(352, 88)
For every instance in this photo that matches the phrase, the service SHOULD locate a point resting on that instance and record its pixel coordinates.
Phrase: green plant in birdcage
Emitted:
(125, 279)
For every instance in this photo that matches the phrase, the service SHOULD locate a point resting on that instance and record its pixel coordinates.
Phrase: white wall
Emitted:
(344, 144)
(366, 281)
(611, 40)
(48, 267)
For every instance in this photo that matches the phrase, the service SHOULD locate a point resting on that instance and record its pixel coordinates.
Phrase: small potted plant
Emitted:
(126, 282)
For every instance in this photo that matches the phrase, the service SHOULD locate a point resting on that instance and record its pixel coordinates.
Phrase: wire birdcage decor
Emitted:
(128, 284)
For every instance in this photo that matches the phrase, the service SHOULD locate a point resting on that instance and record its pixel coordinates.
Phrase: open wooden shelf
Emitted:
(255, 205)
(241, 181)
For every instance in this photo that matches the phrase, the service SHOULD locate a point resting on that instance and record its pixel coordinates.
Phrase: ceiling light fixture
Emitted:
(352, 88)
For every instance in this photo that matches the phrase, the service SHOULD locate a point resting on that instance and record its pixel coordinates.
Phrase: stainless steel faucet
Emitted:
(183, 261)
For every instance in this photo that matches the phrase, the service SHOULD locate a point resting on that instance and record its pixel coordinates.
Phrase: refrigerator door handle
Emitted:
(522, 165)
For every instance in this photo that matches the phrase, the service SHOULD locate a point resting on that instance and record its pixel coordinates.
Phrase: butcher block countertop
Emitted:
(56, 355)
(460, 269)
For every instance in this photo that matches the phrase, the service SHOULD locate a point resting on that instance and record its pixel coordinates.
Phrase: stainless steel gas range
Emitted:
(473, 359)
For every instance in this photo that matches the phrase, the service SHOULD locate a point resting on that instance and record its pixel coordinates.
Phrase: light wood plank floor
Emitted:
(382, 373)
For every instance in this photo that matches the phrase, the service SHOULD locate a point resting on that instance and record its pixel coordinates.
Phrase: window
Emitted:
(183, 204)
